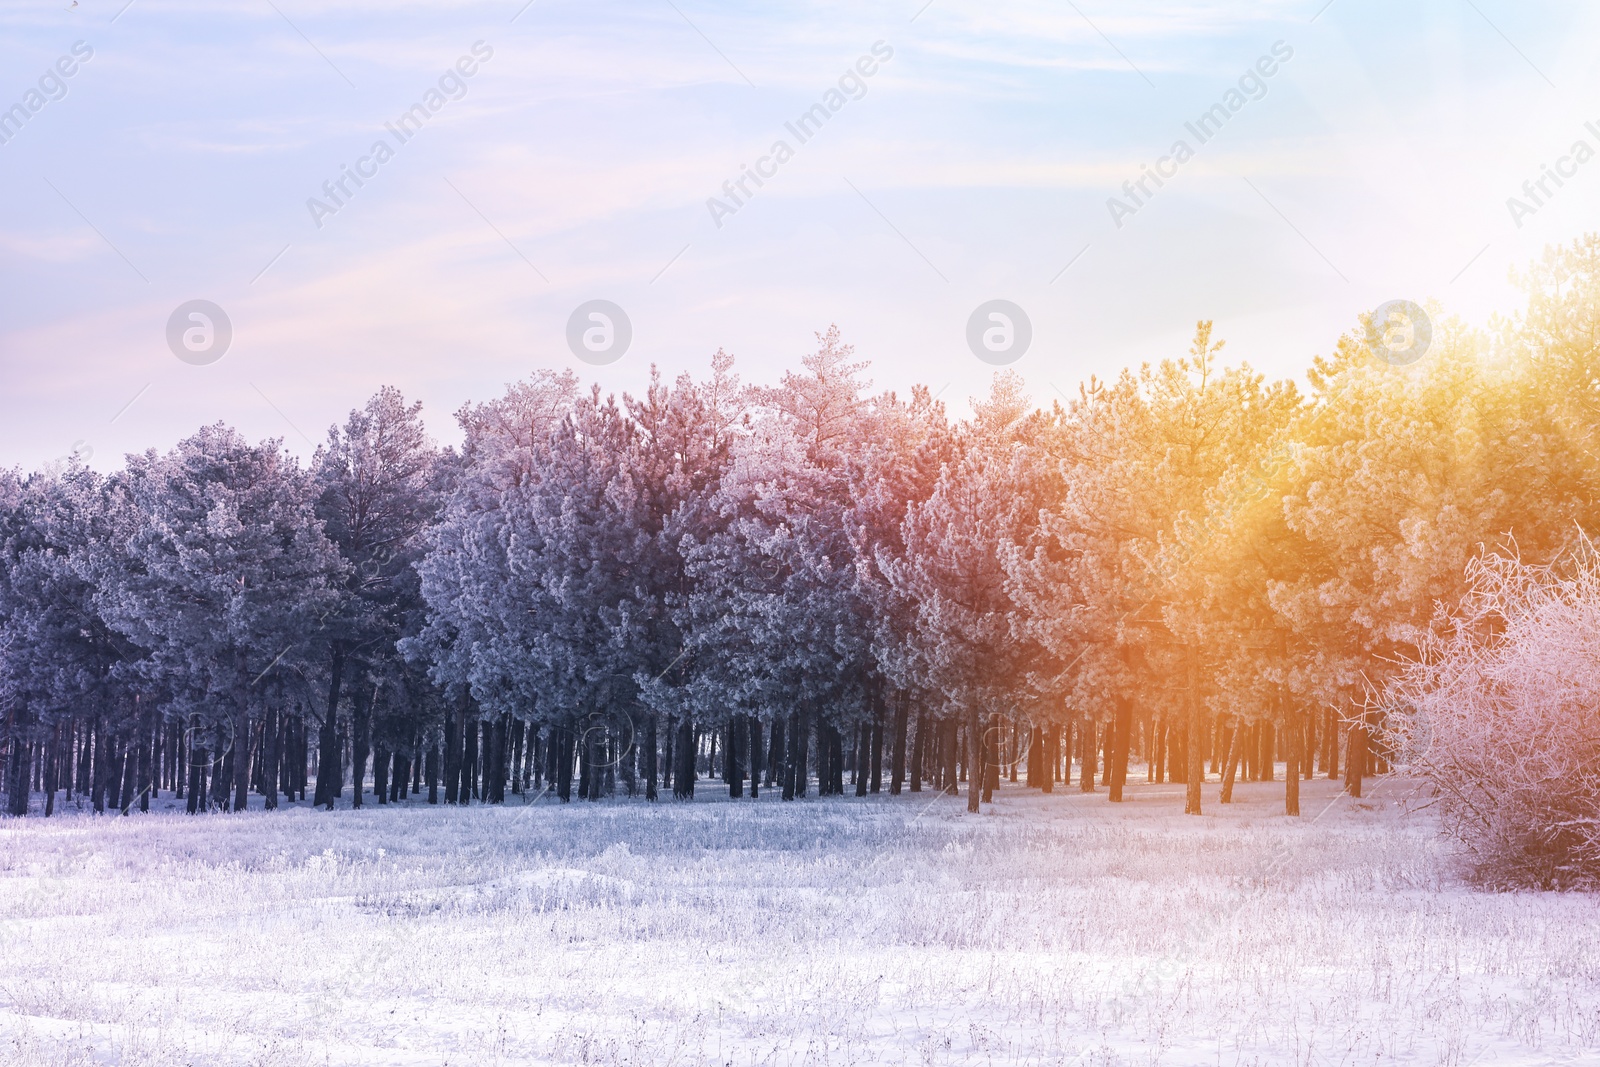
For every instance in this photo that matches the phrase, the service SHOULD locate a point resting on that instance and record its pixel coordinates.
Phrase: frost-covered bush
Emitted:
(1502, 715)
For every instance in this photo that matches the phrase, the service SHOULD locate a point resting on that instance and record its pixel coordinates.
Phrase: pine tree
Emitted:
(377, 482)
(226, 574)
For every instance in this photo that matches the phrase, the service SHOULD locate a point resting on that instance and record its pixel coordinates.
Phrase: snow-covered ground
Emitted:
(1052, 929)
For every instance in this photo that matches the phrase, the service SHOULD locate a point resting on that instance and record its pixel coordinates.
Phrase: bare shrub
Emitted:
(1502, 715)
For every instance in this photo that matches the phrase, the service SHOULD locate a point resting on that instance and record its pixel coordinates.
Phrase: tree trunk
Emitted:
(827, 754)
(1308, 744)
(791, 756)
(360, 738)
(897, 744)
(270, 730)
(130, 769)
(951, 751)
(149, 758)
(835, 761)
(468, 791)
(518, 785)
(989, 756)
(114, 773)
(1356, 758)
(1121, 727)
(197, 781)
(776, 753)
(1033, 772)
(1013, 750)
(1291, 776)
(1042, 737)
(66, 755)
(328, 739)
(86, 758)
(757, 753)
(590, 760)
(875, 748)
(1269, 755)
(1086, 753)
(611, 760)
(802, 774)
(18, 759)
(863, 742)
(1330, 732)
(97, 771)
(222, 772)
(1065, 742)
(177, 760)
(52, 771)
(452, 757)
(858, 759)
(302, 756)
(669, 758)
(157, 737)
(539, 742)
(496, 769)
(1104, 753)
(1193, 767)
(650, 757)
(562, 743)
(477, 760)
(1162, 755)
(976, 779)
(530, 773)
(1148, 725)
(431, 771)
(918, 745)
(733, 760)
(380, 774)
(114, 768)
(533, 760)
(1230, 766)
(683, 774)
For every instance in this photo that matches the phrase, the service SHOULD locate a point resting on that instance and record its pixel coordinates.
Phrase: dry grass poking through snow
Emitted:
(1052, 930)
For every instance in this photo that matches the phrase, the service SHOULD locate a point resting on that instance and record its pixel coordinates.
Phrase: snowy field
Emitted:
(1050, 930)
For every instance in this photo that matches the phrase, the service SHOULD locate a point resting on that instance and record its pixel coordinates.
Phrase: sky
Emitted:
(586, 155)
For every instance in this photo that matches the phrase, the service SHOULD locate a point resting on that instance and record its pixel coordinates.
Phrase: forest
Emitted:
(810, 585)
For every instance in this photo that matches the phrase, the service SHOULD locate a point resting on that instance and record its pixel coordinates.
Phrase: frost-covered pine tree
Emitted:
(376, 484)
(774, 619)
(986, 499)
(679, 456)
(223, 579)
(896, 466)
(59, 660)
(481, 613)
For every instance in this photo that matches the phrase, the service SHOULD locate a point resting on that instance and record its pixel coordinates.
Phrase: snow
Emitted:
(1048, 930)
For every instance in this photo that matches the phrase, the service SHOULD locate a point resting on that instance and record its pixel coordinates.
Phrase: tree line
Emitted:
(795, 586)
